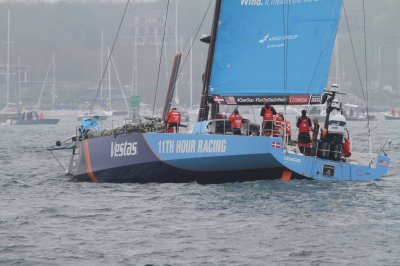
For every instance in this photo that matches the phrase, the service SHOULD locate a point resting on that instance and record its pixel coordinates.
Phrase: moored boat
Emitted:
(393, 114)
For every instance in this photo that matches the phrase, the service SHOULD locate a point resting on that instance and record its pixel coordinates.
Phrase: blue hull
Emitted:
(204, 158)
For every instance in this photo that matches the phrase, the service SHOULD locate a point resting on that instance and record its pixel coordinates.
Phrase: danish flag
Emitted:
(219, 100)
(276, 144)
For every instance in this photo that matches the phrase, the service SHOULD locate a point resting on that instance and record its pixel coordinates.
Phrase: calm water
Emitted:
(45, 219)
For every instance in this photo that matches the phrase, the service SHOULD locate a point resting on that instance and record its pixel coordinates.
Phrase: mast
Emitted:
(176, 47)
(53, 87)
(203, 112)
(109, 79)
(8, 60)
(134, 66)
(191, 74)
(101, 65)
(19, 83)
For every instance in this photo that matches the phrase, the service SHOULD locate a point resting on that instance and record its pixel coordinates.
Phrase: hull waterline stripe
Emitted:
(88, 162)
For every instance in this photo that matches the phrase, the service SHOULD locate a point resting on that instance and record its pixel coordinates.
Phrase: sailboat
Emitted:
(352, 112)
(31, 115)
(393, 114)
(258, 50)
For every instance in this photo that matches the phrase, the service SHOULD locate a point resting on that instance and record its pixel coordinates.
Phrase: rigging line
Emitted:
(366, 82)
(44, 84)
(286, 48)
(57, 160)
(355, 59)
(254, 114)
(161, 55)
(109, 57)
(195, 37)
(322, 50)
(360, 79)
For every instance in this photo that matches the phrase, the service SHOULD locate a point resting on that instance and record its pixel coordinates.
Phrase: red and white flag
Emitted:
(219, 99)
(230, 100)
(276, 144)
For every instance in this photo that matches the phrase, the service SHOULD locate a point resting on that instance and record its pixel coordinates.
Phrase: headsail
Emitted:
(273, 47)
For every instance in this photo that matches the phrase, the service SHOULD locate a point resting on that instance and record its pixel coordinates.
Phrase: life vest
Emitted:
(277, 126)
(346, 147)
(236, 121)
(288, 128)
(268, 114)
(174, 117)
(304, 126)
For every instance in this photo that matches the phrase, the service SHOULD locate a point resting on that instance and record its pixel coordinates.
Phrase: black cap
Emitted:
(303, 112)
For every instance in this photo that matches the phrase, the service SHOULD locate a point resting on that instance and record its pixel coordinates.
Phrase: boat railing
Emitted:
(223, 127)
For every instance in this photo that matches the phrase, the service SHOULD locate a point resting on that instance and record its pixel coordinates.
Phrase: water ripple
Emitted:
(46, 219)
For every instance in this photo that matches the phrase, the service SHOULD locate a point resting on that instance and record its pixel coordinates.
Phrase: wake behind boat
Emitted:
(248, 64)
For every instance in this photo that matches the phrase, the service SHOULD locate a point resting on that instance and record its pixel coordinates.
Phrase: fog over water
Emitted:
(48, 219)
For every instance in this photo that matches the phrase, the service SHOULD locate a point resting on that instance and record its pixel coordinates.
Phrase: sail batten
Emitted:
(273, 47)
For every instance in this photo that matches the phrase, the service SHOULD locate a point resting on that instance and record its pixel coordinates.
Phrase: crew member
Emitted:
(173, 120)
(304, 125)
(315, 131)
(278, 125)
(236, 122)
(221, 123)
(287, 126)
(267, 113)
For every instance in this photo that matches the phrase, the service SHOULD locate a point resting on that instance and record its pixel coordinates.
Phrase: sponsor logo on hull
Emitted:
(123, 149)
(192, 146)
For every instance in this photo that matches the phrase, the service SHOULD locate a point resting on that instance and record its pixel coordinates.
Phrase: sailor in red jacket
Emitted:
(267, 113)
(304, 125)
(173, 120)
(236, 122)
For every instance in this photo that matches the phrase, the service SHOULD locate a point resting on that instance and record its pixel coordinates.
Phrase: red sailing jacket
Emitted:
(268, 114)
(174, 117)
(236, 120)
(304, 125)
